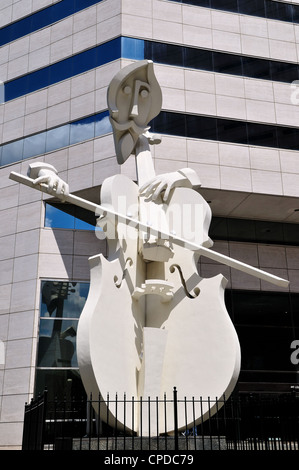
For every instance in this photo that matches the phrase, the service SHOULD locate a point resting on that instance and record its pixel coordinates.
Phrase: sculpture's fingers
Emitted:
(159, 189)
(41, 179)
(170, 186)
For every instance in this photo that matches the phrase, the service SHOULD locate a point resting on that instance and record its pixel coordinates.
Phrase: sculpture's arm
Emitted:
(100, 210)
(166, 182)
(47, 174)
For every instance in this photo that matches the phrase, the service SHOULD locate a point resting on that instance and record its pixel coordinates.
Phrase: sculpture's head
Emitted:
(134, 98)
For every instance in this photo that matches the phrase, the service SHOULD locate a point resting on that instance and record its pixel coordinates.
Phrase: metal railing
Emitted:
(249, 422)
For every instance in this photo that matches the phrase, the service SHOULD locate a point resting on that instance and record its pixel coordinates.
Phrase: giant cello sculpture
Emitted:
(150, 321)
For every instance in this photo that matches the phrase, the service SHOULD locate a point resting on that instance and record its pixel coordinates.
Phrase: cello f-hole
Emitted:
(118, 283)
(196, 290)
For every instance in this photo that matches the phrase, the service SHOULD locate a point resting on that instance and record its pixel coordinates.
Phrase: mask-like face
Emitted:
(134, 98)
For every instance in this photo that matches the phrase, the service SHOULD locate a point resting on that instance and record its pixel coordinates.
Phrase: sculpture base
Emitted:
(151, 444)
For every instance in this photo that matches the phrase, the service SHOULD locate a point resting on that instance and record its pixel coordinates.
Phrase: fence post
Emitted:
(175, 412)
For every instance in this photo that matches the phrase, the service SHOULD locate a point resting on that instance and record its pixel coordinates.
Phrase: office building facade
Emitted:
(228, 72)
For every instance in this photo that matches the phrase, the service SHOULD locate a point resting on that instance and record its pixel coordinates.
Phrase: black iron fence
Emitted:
(243, 422)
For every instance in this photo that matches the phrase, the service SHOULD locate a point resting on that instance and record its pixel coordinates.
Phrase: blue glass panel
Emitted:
(82, 225)
(40, 19)
(58, 138)
(16, 88)
(102, 124)
(82, 130)
(132, 48)
(20, 28)
(56, 218)
(34, 145)
(12, 152)
(81, 4)
(61, 71)
(109, 51)
(61, 10)
(37, 80)
(84, 61)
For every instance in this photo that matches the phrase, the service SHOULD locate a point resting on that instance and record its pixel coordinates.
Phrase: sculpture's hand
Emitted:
(166, 182)
(47, 174)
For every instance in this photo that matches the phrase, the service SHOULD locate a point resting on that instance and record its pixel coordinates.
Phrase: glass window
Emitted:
(283, 72)
(82, 130)
(39, 20)
(218, 228)
(265, 348)
(12, 152)
(232, 131)
(167, 54)
(16, 88)
(61, 71)
(34, 145)
(84, 61)
(133, 48)
(291, 234)
(58, 215)
(42, 18)
(201, 3)
(278, 10)
(198, 58)
(62, 303)
(261, 308)
(252, 7)
(38, 79)
(240, 230)
(269, 232)
(227, 5)
(60, 383)
(227, 63)
(58, 138)
(201, 127)
(256, 68)
(262, 134)
(112, 50)
(102, 124)
(56, 218)
(169, 123)
(288, 137)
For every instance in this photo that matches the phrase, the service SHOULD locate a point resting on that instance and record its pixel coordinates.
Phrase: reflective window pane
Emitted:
(201, 127)
(283, 72)
(39, 79)
(260, 134)
(63, 299)
(256, 68)
(167, 54)
(61, 384)
(102, 124)
(227, 63)
(252, 7)
(58, 138)
(57, 343)
(56, 218)
(198, 58)
(133, 48)
(226, 5)
(12, 152)
(232, 131)
(82, 130)
(34, 145)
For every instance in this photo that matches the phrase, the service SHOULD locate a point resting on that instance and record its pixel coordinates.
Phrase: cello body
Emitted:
(151, 323)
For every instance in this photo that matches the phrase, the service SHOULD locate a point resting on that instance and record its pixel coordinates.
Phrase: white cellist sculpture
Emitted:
(150, 322)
